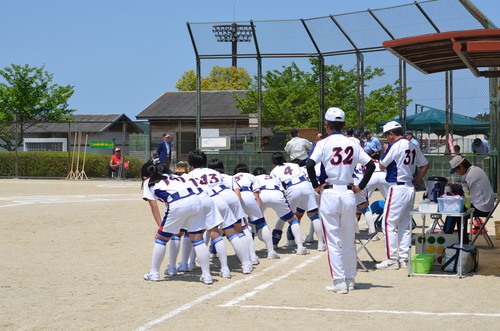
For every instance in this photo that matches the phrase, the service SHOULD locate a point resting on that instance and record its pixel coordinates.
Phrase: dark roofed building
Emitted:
(175, 113)
(98, 127)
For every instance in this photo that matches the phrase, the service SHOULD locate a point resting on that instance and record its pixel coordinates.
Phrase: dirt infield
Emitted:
(73, 254)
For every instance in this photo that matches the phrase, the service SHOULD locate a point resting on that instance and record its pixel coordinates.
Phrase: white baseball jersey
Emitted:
(339, 155)
(214, 179)
(184, 208)
(213, 217)
(272, 196)
(401, 160)
(299, 191)
(210, 181)
(248, 185)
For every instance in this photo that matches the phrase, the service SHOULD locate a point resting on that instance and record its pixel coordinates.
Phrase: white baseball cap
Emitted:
(455, 162)
(335, 114)
(391, 125)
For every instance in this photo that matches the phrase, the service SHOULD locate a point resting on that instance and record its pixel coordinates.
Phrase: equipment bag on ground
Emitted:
(470, 258)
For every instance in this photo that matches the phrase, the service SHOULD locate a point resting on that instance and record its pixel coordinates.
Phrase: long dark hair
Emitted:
(154, 172)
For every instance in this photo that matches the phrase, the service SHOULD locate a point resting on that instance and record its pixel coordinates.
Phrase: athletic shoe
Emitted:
(170, 271)
(225, 273)
(321, 247)
(376, 238)
(337, 287)
(350, 284)
(302, 251)
(290, 243)
(309, 239)
(206, 280)
(403, 264)
(191, 266)
(273, 255)
(246, 268)
(213, 255)
(255, 260)
(387, 264)
(182, 266)
(153, 276)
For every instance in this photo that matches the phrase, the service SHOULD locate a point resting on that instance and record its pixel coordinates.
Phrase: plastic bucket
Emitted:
(422, 263)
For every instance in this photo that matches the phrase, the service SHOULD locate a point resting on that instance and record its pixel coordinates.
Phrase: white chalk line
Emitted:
(210, 295)
(269, 283)
(28, 200)
(397, 312)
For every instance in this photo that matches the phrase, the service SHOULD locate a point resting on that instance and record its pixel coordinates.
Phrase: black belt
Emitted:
(401, 183)
(349, 187)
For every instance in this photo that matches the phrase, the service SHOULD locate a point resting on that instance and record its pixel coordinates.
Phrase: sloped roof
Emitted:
(439, 52)
(90, 123)
(182, 105)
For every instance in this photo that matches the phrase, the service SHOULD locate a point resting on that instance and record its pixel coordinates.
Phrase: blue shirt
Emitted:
(373, 145)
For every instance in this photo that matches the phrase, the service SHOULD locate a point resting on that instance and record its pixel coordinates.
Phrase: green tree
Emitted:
(291, 97)
(219, 78)
(27, 98)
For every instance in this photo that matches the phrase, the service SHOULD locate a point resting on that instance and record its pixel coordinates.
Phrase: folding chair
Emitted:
(481, 230)
(363, 239)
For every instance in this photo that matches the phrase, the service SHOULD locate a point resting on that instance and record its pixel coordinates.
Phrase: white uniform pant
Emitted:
(396, 221)
(338, 213)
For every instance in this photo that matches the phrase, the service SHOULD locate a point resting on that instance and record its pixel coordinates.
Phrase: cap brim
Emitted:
(452, 171)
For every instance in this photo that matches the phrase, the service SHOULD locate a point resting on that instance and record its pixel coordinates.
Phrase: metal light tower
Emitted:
(233, 33)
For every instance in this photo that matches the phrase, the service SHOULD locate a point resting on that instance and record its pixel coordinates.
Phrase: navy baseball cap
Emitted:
(367, 132)
(357, 133)
(294, 131)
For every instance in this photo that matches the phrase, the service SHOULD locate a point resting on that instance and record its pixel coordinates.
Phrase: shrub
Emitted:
(58, 164)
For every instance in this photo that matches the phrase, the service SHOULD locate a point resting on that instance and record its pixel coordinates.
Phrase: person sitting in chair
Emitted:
(115, 162)
(482, 197)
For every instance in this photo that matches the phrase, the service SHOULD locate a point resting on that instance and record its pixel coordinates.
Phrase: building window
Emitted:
(45, 144)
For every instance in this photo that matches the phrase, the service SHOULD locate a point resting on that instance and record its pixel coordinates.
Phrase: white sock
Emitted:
(267, 238)
(251, 245)
(158, 255)
(220, 246)
(175, 245)
(187, 248)
(192, 256)
(202, 254)
(370, 221)
(239, 248)
(318, 229)
(297, 234)
(244, 243)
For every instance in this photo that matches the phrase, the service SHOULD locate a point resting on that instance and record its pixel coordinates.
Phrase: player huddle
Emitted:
(205, 204)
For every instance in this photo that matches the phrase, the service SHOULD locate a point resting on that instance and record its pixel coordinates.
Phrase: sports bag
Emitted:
(470, 258)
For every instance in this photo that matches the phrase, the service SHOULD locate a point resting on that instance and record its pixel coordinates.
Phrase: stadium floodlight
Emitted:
(233, 33)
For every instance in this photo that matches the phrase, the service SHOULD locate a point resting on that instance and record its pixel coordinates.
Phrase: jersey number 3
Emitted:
(341, 155)
(410, 157)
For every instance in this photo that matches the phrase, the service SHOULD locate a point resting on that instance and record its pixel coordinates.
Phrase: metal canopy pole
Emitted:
(321, 78)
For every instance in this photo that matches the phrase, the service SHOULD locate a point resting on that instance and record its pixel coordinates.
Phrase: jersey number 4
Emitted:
(341, 155)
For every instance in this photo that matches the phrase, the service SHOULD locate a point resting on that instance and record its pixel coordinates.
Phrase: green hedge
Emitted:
(58, 164)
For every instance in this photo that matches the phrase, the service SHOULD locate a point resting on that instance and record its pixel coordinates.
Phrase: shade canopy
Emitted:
(434, 121)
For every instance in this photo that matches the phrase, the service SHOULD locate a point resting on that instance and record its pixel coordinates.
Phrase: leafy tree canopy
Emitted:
(291, 97)
(219, 78)
(28, 98)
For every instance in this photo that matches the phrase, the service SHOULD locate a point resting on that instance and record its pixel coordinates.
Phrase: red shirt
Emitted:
(115, 161)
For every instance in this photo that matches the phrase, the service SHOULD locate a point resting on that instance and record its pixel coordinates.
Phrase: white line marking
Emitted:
(209, 296)
(26, 200)
(397, 312)
(269, 283)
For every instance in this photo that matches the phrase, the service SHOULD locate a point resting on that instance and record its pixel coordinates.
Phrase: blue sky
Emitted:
(122, 55)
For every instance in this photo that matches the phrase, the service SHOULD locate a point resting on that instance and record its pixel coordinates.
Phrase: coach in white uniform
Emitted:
(400, 160)
(339, 155)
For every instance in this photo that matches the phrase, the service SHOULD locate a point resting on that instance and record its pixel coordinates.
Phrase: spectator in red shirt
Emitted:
(115, 162)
